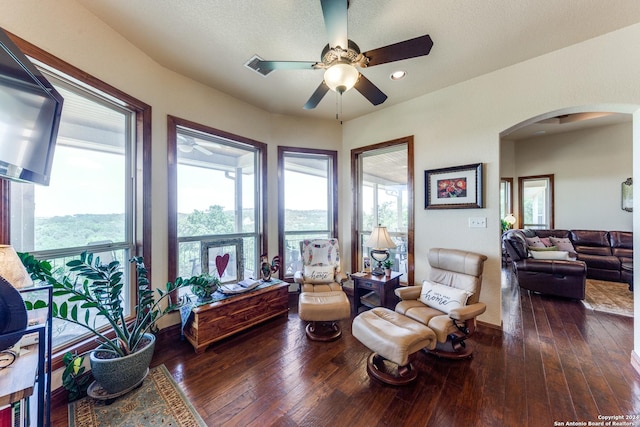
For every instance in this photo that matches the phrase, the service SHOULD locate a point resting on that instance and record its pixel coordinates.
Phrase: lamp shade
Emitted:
(11, 268)
(341, 77)
(510, 219)
(380, 239)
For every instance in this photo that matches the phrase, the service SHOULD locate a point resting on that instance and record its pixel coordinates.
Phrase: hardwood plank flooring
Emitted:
(555, 361)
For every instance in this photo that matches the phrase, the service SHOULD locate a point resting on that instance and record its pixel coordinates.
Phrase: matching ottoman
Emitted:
(322, 310)
(394, 338)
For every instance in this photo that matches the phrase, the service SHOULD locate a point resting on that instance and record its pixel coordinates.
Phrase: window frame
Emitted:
(332, 201)
(551, 205)
(356, 154)
(173, 123)
(141, 198)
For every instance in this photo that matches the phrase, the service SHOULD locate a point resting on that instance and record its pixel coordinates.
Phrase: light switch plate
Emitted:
(478, 222)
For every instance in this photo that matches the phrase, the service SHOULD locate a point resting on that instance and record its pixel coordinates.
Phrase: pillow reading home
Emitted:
(442, 297)
(319, 273)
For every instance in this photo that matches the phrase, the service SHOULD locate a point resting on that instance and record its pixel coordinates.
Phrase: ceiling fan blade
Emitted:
(335, 21)
(419, 46)
(370, 91)
(317, 96)
(202, 149)
(285, 65)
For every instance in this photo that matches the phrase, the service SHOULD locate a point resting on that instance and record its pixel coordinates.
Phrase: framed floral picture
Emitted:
(457, 187)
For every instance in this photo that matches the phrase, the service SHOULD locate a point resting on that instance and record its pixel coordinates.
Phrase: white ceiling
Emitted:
(211, 40)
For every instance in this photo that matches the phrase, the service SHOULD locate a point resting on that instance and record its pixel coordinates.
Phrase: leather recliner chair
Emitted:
(563, 278)
(322, 302)
(455, 269)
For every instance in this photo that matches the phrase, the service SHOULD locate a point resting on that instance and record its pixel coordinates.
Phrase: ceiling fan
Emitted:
(186, 144)
(341, 56)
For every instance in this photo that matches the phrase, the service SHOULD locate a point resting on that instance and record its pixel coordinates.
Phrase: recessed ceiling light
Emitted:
(540, 132)
(397, 75)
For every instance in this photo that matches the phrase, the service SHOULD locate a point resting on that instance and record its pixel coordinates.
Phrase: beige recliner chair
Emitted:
(448, 301)
(322, 301)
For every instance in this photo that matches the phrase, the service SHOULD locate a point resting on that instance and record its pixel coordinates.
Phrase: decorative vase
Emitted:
(387, 272)
(122, 373)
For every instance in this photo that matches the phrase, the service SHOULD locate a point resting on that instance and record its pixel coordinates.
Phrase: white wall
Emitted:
(589, 167)
(462, 124)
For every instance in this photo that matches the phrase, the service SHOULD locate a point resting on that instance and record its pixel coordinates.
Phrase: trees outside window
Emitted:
(383, 176)
(215, 192)
(307, 189)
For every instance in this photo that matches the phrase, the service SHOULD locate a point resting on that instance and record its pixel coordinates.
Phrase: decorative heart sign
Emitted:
(221, 263)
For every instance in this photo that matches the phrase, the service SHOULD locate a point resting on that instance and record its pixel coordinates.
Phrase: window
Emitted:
(383, 176)
(216, 195)
(536, 201)
(506, 197)
(307, 201)
(91, 202)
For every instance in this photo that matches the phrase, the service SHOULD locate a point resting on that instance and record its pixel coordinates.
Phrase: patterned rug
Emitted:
(158, 402)
(610, 297)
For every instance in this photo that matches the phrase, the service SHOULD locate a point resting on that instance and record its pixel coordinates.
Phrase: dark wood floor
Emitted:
(555, 361)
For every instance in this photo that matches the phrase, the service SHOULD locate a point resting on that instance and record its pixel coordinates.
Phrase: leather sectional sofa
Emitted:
(603, 255)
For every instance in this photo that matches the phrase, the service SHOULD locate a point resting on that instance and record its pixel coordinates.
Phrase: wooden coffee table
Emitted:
(231, 314)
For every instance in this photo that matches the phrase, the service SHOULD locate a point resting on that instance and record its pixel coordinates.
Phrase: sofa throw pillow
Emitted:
(554, 255)
(546, 248)
(321, 252)
(319, 273)
(534, 242)
(563, 244)
(546, 241)
(442, 297)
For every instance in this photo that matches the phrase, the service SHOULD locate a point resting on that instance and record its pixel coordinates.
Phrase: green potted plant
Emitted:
(387, 267)
(119, 363)
(203, 286)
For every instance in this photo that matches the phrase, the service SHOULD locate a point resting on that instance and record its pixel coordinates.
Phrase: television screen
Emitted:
(30, 111)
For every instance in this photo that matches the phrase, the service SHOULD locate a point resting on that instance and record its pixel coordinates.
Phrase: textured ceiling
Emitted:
(211, 40)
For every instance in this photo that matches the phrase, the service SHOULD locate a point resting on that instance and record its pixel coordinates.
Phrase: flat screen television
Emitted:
(30, 110)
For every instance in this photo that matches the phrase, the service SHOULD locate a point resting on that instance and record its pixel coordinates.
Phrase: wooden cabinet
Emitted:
(217, 320)
(373, 291)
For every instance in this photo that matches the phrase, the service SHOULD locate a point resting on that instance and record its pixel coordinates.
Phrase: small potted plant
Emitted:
(203, 286)
(387, 267)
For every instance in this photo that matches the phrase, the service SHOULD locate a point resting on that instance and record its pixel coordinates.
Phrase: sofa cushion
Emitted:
(552, 232)
(534, 242)
(621, 244)
(546, 248)
(442, 297)
(599, 261)
(590, 238)
(557, 255)
(563, 244)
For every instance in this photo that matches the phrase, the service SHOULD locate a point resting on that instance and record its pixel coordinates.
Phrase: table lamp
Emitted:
(380, 242)
(11, 268)
(510, 219)
(14, 313)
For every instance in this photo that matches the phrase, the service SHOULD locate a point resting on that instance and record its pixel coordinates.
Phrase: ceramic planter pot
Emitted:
(122, 373)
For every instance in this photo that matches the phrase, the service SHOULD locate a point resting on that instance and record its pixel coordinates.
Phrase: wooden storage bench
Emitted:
(217, 320)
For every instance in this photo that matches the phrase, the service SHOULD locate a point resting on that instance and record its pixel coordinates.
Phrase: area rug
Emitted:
(609, 297)
(158, 402)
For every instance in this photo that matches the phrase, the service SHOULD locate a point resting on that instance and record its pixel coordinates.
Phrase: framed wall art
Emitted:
(627, 195)
(457, 187)
(223, 258)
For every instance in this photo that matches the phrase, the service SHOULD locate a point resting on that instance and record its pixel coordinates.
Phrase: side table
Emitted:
(382, 288)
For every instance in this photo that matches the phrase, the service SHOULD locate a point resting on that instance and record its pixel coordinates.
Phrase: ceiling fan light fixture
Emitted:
(185, 148)
(397, 75)
(341, 77)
